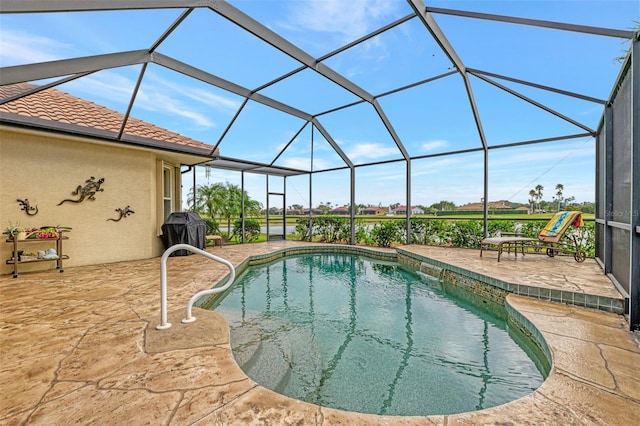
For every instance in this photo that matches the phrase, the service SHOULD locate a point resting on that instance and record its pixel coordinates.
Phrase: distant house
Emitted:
(313, 211)
(403, 210)
(46, 158)
(502, 204)
(371, 210)
(341, 210)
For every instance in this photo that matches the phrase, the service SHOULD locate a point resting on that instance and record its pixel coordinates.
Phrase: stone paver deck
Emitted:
(81, 348)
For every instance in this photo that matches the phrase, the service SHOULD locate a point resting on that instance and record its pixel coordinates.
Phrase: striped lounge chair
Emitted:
(552, 237)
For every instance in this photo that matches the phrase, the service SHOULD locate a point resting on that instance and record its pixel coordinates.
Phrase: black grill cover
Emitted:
(184, 228)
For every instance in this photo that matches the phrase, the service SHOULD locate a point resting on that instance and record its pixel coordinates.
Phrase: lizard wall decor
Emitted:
(28, 208)
(87, 191)
(123, 213)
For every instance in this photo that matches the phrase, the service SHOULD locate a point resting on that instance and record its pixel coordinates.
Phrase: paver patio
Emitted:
(81, 348)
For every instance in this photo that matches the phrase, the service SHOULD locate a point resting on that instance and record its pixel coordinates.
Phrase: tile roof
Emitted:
(61, 107)
(501, 204)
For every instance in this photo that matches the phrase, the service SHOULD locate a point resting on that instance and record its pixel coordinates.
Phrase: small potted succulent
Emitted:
(15, 231)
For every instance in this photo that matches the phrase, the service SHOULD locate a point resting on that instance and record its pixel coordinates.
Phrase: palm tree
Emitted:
(559, 189)
(225, 201)
(539, 189)
(207, 199)
(532, 199)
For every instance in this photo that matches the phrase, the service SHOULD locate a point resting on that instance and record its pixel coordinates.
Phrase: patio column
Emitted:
(408, 189)
(634, 234)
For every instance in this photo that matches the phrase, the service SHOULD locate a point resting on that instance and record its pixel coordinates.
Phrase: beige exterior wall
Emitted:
(46, 169)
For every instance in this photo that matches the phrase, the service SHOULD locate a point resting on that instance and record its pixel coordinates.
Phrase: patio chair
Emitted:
(552, 237)
(216, 240)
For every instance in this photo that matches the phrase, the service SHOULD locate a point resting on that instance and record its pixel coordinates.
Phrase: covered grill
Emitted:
(184, 228)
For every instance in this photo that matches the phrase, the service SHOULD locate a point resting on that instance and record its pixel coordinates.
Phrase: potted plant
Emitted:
(15, 231)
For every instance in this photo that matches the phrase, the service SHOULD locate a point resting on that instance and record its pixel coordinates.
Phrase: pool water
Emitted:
(364, 335)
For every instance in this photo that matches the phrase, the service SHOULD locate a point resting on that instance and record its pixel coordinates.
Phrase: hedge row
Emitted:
(439, 232)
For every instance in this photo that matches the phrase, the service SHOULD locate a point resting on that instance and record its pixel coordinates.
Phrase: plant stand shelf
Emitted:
(15, 259)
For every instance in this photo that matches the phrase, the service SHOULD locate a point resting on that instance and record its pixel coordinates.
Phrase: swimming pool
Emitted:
(354, 333)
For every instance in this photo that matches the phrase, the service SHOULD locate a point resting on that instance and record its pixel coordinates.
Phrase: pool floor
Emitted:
(358, 334)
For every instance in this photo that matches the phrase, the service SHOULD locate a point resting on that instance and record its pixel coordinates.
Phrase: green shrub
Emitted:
(303, 229)
(496, 227)
(213, 228)
(466, 233)
(532, 228)
(585, 237)
(332, 229)
(251, 230)
(385, 233)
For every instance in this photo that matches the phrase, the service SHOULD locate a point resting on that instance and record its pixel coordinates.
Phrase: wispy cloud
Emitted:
(350, 19)
(371, 151)
(19, 47)
(301, 163)
(433, 145)
(118, 88)
(108, 85)
(199, 94)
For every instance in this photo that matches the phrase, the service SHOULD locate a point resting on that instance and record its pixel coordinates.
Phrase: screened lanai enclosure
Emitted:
(368, 103)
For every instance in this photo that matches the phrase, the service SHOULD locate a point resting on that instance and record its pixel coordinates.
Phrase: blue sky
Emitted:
(429, 119)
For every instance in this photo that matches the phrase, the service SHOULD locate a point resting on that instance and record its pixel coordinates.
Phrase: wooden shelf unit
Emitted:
(14, 260)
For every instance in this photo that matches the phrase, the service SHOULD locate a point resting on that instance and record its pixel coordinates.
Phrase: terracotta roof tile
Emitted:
(55, 105)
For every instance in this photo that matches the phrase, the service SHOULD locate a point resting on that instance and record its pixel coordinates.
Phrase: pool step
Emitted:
(275, 353)
(304, 376)
(245, 340)
(270, 365)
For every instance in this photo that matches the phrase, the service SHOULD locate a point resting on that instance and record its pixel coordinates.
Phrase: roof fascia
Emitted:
(106, 136)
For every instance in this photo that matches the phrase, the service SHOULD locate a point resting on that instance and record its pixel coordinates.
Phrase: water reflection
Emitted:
(370, 336)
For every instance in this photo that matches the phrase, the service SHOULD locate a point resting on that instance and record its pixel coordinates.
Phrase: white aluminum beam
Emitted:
(42, 87)
(537, 86)
(432, 26)
(267, 35)
(39, 6)
(539, 105)
(206, 77)
(66, 67)
(608, 32)
(333, 143)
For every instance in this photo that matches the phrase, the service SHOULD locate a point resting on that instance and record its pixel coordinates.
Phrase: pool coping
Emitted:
(593, 301)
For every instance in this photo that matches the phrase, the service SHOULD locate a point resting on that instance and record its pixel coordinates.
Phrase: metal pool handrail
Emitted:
(163, 283)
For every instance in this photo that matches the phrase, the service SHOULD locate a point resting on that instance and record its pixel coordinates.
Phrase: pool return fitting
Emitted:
(163, 283)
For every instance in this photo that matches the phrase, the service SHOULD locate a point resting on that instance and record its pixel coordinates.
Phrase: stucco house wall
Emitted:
(46, 167)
